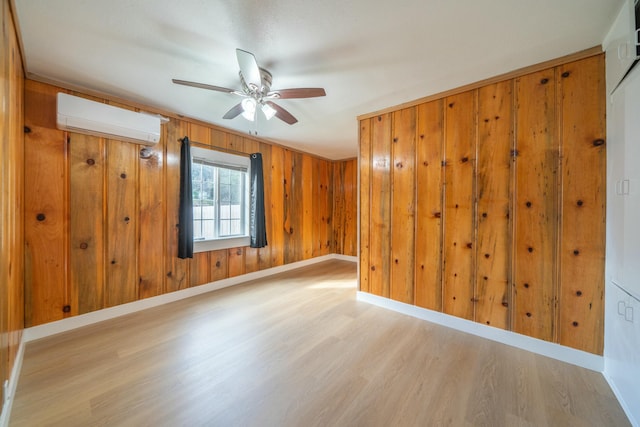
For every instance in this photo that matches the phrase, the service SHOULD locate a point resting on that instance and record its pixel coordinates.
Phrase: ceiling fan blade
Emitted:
(282, 114)
(249, 68)
(309, 92)
(234, 112)
(203, 86)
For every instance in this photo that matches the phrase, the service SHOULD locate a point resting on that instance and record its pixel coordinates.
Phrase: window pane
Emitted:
(224, 227)
(235, 226)
(197, 226)
(224, 175)
(219, 200)
(224, 194)
(208, 229)
(196, 171)
(207, 173)
(207, 194)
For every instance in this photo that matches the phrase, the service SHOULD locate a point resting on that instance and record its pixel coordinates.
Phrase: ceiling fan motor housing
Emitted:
(256, 92)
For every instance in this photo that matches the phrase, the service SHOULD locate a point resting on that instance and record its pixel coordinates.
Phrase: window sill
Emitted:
(214, 245)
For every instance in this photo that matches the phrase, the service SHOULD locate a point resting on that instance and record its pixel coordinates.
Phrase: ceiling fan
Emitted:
(256, 91)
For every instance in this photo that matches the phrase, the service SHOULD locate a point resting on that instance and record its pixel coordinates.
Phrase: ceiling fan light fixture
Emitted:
(249, 108)
(268, 111)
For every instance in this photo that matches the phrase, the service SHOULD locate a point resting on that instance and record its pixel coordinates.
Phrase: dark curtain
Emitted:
(185, 217)
(257, 229)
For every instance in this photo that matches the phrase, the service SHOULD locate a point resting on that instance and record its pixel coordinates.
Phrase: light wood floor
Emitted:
(296, 349)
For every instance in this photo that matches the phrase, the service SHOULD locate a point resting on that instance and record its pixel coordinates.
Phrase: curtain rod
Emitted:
(213, 147)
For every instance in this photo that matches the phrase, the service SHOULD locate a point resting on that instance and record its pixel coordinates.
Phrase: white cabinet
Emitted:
(623, 179)
(620, 45)
(622, 344)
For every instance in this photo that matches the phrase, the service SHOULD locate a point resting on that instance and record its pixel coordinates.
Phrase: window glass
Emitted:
(220, 185)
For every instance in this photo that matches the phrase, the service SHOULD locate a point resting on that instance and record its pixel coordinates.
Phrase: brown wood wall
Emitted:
(101, 220)
(489, 204)
(11, 198)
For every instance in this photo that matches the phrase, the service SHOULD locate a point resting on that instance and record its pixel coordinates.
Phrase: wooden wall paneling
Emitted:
(276, 241)
(199, 133)
(14, 305)
(152, 246)
(45, 227)
(218, 263)
(218, 138)
(235, 262)
(235, 142)
(380, 237)
(581, 95)
(122, 219)
(251, 259)
(459, 229)
(364, 169)
(403, 205)
(264, 254)
(307, 190)
(345, 206)
(11, 198)
(495, 144)
(536, 206)
(87, 157)
(322, 207)
(177, 270)
(5, 208)
(200, 267)
(429, 191)
(292, 202)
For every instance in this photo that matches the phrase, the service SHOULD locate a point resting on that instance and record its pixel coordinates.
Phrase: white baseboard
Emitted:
(52, 328)
(534, 345)
(13, 384)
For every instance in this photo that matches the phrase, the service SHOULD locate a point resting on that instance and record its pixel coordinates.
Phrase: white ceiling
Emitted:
(367, 54)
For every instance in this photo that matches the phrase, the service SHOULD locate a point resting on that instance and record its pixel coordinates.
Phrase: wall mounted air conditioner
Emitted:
(93, 118)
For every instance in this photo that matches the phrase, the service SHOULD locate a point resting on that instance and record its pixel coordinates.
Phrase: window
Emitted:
(220, 184)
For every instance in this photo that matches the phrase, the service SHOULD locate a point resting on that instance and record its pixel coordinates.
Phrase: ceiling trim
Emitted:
(496, 79)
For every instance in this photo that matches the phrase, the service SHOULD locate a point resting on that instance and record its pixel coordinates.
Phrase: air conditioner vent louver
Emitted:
(93, 118)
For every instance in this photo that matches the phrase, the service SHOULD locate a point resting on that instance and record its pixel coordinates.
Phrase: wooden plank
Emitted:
(13, 305)
(291, 203)
(199, 134)
(235, 262)
(218, 138)
(176, 270)
(322, 207)
(364, 169)
(87, 157)
(345, 207)
(380, 255)
(122, 219)
(495, 143)
(535, 207)
(235, 142)
(459, 200)
(429, 189)
(581, 289)
(403, 205)
(45, 225)
(308, 190)
(218, 265)
(200, 269)
(151, 196)
(276, 202)
(251, 260)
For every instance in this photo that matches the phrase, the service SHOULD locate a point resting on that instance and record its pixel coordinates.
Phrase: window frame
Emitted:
(233, 161)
